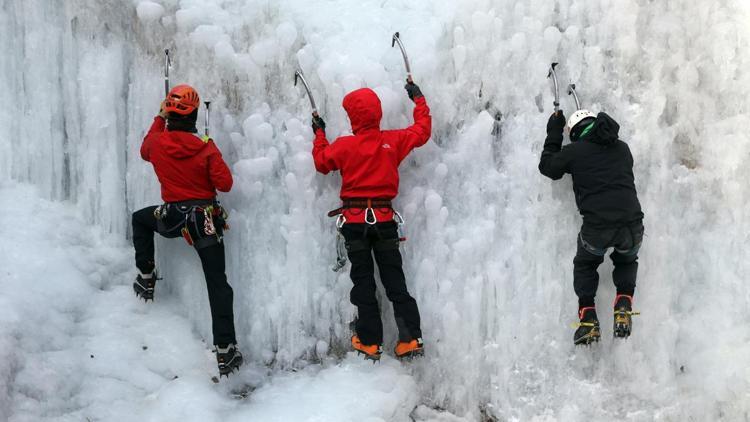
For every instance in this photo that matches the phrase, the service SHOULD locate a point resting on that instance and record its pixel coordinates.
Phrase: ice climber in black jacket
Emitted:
(602, 169)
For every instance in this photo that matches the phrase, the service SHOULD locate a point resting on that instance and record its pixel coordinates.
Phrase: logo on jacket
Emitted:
(386, 146)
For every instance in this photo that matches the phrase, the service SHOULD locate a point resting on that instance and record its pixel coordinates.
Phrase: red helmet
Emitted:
(182, 99)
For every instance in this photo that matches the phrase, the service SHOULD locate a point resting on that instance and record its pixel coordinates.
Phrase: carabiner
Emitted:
(340, 221)
(370, 212)
(398, 218)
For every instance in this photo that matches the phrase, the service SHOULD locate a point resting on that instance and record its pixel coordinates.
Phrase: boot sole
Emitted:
(593, 336)
(146, 295)
(225, 370)
(374, 358)
(622, 326)
(411, 354)
(621, 331)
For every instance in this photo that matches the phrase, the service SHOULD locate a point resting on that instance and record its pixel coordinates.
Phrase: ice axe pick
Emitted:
(298, 75)
(397, 39)
(572, 91)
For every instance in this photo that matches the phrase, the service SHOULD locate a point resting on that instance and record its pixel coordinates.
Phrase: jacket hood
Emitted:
(363, 108)
(182, 144)
(605, 130)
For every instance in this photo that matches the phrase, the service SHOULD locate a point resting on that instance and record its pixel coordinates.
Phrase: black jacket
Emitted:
(602, 170)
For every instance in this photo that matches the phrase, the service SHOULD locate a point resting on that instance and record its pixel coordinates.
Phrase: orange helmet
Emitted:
(182, 99)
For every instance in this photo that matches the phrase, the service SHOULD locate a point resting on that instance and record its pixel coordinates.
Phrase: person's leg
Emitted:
(369, 327)
(625, 258)
(585, 276)
(144, 226)
(220, 294)
(390, 264)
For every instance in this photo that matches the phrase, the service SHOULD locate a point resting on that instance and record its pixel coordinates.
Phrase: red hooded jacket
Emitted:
(369, 159)
(187, 167)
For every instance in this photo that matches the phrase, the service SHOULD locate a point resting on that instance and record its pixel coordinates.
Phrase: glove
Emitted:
(318, 123)
(162, 113)
(412, 90)
(556, 124)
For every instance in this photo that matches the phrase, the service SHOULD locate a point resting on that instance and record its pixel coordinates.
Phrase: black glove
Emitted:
(318, 123)
(556, 124)
(412, 90)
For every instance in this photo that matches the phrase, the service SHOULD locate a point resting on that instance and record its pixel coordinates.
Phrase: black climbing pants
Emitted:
(593, 243)
(220, 294)
(381, 240)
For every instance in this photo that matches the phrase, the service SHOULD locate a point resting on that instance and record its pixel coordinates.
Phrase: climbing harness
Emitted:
(197, 233)
(369, 206)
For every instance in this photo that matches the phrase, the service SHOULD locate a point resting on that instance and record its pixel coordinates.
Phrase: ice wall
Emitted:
(491, 241)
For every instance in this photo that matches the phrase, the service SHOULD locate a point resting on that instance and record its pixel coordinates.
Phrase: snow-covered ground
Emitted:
(489, 256)
(75, 344)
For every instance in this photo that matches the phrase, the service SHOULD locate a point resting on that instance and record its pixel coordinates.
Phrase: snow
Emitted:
(90, 351)
(149, 11)
(491, 241)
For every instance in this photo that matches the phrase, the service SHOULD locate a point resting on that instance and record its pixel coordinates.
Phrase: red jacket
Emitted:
(369, 159)
(187, 167)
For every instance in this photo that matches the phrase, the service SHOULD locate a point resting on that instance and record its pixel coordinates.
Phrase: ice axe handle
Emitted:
(167, 64)
(397, 39)
(299, 76)
(556, 91)
(572, 91)
(208, 113)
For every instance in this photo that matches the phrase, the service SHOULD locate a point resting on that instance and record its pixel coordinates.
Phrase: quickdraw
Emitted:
(400, 222)
(208, 221)
(340, 245)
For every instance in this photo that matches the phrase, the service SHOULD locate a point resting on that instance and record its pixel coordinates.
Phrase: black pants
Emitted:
(220, 294)
(362, 242)
(593, 243)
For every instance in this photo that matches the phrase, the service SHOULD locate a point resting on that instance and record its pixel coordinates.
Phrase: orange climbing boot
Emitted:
(371, 352)
(408, 349)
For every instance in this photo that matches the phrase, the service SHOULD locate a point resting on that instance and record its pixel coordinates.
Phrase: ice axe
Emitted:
(397, 39)
(208, 109)
(167, 65)
(572, 91)
(556, 91)
(298, 75)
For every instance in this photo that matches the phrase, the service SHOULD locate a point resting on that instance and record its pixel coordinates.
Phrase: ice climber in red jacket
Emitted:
(190, 170)
(368, 161)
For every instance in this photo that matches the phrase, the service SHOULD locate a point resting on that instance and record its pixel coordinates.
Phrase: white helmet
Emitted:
(576, 118)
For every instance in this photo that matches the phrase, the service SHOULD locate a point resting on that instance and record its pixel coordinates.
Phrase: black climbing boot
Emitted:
(588, 328)
(623, 313)
(144, 286)
(228, 358)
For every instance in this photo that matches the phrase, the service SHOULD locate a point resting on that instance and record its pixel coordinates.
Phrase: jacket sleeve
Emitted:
(555, 161)
(324, 154)
(417, 134)
(157, 127)
(218, 171)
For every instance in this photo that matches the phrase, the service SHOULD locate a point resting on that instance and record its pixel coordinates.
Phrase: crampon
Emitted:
(228, 359)
(409, 349)
(623, 313)
(588, 330)
(371, 352)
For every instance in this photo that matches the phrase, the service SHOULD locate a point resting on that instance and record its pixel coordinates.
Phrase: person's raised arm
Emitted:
(158, 126)
(555, 161)
(418, 133)
(323, 152)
